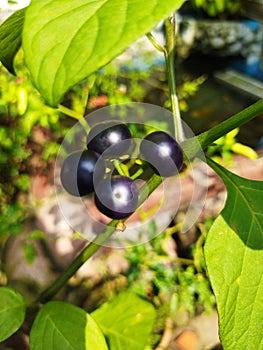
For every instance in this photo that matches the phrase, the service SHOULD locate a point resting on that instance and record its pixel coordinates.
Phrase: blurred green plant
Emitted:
(187, 88)
(119, 82)
(220, 8)
(23, 114)
(223, 149)
(174, 284)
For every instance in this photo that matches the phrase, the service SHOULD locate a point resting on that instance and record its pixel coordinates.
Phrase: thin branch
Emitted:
(75, 115)
(167, 335)
(170, 63)
(155, 43)
(193, 145)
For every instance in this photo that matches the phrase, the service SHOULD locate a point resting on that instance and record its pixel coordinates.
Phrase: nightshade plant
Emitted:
(63, 43)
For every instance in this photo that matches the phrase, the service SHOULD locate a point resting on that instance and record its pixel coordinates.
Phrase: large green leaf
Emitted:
(62, 326)
(126, 321)
(12, 312)
(65, 41)
(10, 38)
(234, 257)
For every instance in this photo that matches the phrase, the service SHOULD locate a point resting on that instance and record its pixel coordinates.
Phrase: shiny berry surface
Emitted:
(77, 172)
(116, 197)
(108, 136)
(162, 152)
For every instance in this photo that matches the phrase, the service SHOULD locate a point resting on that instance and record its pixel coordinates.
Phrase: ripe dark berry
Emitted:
(162, 152)
(116, 197)
(78, 170)
(108, 136)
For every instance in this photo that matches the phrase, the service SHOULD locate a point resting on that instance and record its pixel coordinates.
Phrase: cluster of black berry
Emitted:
(115, 195)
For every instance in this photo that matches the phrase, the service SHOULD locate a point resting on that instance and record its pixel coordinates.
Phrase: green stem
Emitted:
(83, 256)
(208, 137)
(85, 96)
(172, 230)
(183, 261)
(155, 43)
(138, 173)
(73, 114)
(88, 251)
(121, 168)
(170, 63)
(202, 141)
(70, 112)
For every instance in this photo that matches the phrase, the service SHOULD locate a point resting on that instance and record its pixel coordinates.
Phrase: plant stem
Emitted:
(85, 96)
(202, 141)
(170, 64)
(167, 336)
(70, 112)
(138, 173)
(90, 249)
(155, 43)
(83, 256)
(75, 115)
(183, 261)
(208, 137)
(117, 165)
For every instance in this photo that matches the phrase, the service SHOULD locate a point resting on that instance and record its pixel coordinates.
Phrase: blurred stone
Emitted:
(219, 37)
(27, 278)
(201, 333)
(187, 340)
(206, 327)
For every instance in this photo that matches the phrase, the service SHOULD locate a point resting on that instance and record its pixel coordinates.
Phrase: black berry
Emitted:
(162, 152)
(108, 136)
(78, 170)
(117, 197)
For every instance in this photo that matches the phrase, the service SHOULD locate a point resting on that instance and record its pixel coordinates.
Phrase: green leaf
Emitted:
(65, 41)
(234, 257)
(30, 252)
(12, 312)
(10, 38)
(126, 321)
(63, 326)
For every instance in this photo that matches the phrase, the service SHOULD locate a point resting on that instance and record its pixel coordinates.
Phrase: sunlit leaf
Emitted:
(10, 38)
(234, 257)
(60, 325)
(126, 321)
(65, 41)
(12, 312)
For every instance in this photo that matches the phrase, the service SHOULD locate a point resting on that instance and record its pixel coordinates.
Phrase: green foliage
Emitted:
(188, 87)
(12, 312)
(179, 283)
(60, 325)
(96, 33)
(29, 245)
(21, 109)
(219, 8)
(234, 255)
(226, 146)
(126, 321)
(115, 84)
(10, 38)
